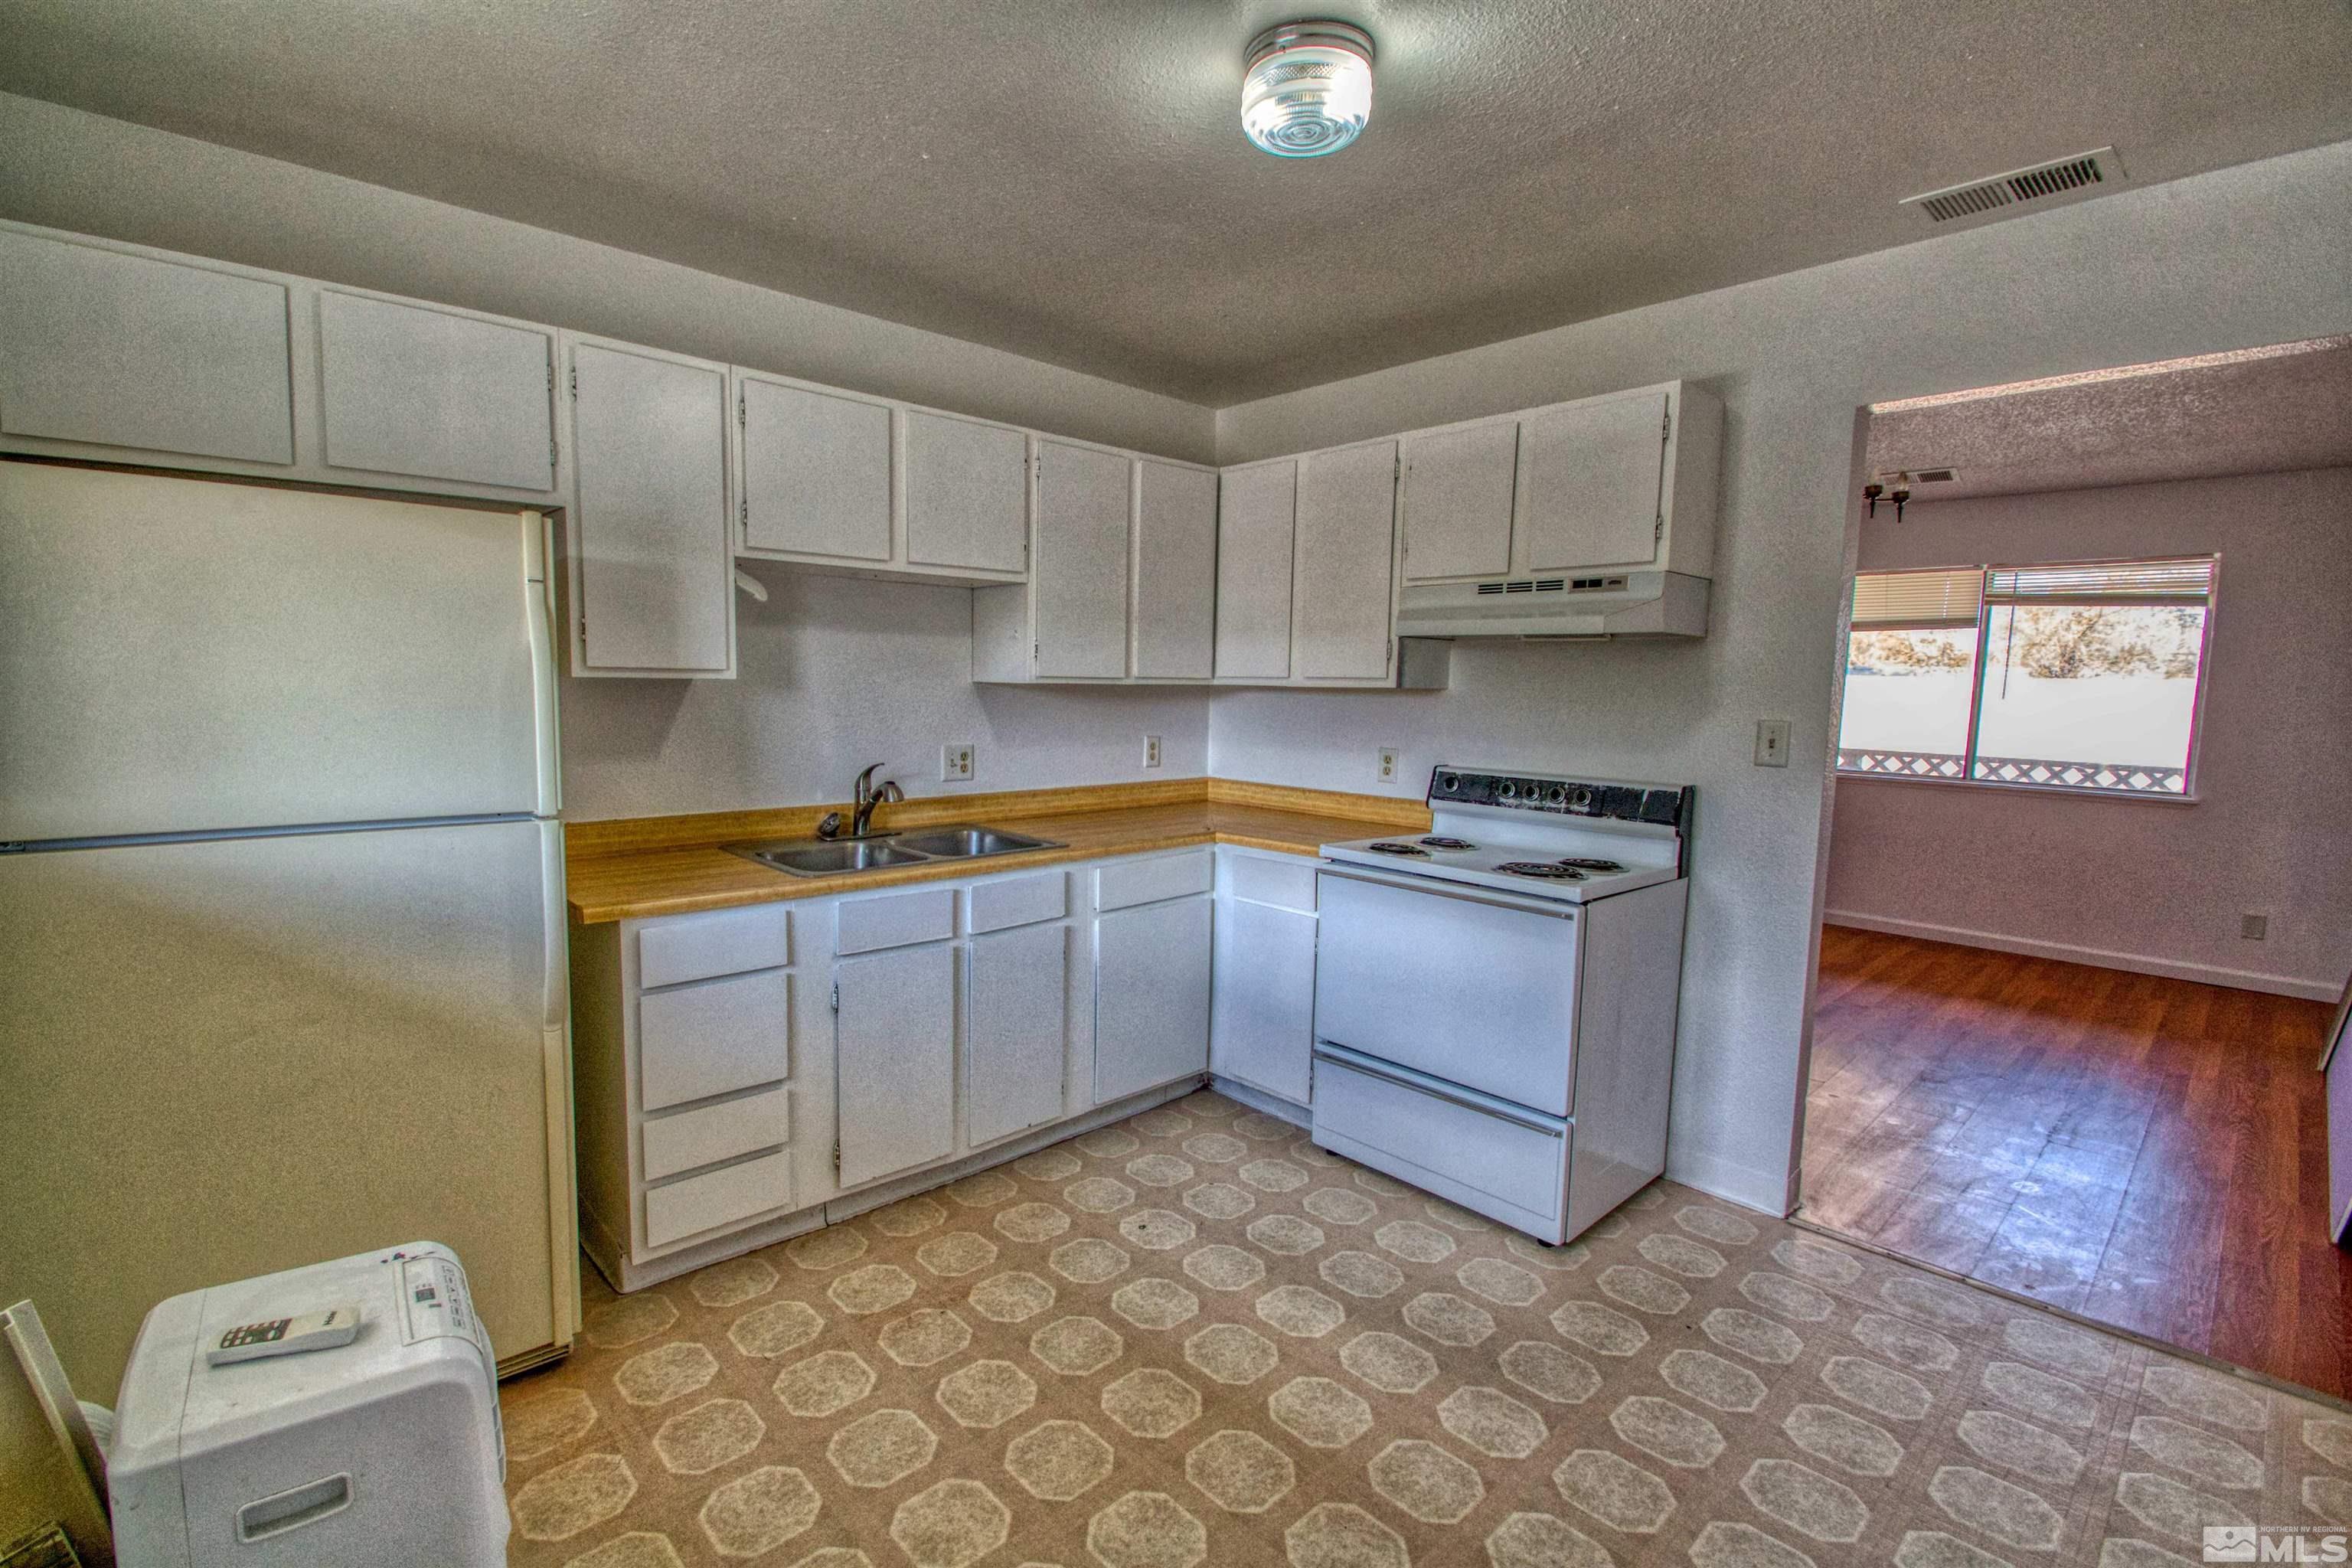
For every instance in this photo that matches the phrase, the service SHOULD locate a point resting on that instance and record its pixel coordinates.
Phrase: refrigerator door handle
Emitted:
(538, 611)
(555, 987)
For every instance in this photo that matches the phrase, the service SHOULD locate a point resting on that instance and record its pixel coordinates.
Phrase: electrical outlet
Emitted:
(1771, 742)
(955, 762)
(1387, 764)
(1150, 750)
(2253, 927)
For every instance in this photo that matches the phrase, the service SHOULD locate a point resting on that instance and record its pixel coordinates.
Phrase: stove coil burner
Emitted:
(1548, 869)
(1576, 863)
(1438, 841)
(1414, 851)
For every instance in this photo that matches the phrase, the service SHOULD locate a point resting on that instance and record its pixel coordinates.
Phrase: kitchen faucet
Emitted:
(867, 797)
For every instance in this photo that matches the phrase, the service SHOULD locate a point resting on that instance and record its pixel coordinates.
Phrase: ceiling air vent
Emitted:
(2100, 166)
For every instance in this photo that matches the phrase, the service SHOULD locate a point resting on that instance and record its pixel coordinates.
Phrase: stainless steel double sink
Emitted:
(880, 851)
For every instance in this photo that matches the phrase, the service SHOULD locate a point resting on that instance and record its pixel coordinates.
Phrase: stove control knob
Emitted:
(1510, 790)
(1583, 798)
(1448, 784)
(1556, 796)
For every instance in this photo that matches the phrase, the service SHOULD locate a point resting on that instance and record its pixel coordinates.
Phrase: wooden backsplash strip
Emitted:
(1383, 809)
(625, 835)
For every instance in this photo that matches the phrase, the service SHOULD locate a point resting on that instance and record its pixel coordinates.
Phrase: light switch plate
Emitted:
(1771, 742)
(1150, 750)
(955, 762)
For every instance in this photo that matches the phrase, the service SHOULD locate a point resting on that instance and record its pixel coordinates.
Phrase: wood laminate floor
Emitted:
(2148, 1153)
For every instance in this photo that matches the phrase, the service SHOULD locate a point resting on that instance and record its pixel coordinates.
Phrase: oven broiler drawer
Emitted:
(1504, 1162)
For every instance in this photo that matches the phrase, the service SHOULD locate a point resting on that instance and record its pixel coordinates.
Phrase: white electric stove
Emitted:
(1495, 1000)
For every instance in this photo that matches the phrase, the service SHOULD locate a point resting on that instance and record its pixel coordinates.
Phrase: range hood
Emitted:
(1587, 605)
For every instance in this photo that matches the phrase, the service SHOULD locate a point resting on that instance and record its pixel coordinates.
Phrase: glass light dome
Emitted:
(1308, 89)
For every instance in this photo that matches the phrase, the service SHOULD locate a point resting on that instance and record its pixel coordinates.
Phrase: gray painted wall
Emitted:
(2149, 885)
(2247, 256)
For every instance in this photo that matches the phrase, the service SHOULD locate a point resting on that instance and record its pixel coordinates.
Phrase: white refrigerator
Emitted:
(282, 972)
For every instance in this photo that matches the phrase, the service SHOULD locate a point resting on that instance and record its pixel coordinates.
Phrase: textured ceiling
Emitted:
(1068, 180)
(2258, 412)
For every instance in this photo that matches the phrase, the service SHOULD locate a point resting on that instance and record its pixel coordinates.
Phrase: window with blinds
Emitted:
(2081, 676)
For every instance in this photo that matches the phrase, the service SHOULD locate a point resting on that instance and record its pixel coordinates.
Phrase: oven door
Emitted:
(1476, 987)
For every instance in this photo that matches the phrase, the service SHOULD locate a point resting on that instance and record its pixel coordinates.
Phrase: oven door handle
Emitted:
(1339, 1055)
(1439, 888)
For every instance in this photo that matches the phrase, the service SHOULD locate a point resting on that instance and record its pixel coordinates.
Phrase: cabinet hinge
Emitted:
(575, 383)
(742, 418)
(837, 995)
(836, 1159)
(552, 456)
(743, 510)
(1666, 424)
(1658, 530)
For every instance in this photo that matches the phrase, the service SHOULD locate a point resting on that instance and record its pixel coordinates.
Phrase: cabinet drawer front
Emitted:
(1286, 884)
(727, 942)
(710, 1133)
(1524, 1166)
(894, 920)
(1019, 901)
(1147, 881)
(713, 1038)
(697, 1203)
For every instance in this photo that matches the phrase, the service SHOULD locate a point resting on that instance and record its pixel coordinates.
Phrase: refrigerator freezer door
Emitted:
(236, 1056)
(183, 655)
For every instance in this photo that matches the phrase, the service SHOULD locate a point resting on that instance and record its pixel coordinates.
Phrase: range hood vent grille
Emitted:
(2100, 166)
(1552, 586)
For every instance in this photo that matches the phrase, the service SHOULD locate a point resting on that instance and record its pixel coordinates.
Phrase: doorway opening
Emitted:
(2089, 894)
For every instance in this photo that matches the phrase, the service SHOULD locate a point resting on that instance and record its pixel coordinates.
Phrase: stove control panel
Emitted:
(1664, 805)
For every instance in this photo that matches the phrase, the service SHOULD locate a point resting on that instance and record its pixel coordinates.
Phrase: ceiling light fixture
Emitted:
(1308, 89)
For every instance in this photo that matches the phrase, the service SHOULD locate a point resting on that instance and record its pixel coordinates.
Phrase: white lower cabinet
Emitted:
(1151, 995)
(894, 1040)
(1263, 1029)
(1018, 1030)
(963, 1017)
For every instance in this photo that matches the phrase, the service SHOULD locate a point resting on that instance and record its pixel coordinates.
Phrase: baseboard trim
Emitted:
(2099, 958)
(1259, 1099)
(1765, 1191)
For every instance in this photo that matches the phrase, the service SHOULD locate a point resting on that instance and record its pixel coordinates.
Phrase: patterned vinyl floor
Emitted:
(1194, 1338)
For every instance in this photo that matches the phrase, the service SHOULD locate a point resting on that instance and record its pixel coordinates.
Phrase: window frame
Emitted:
(2189, 795)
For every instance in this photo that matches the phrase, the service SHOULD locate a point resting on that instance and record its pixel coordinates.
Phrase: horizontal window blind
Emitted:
(2188, 581)
(1916, 601)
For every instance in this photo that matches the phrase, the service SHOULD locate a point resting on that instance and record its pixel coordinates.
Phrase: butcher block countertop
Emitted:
(638, 866)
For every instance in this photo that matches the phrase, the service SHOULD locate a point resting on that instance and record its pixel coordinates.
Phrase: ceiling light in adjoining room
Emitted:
(1308, 89)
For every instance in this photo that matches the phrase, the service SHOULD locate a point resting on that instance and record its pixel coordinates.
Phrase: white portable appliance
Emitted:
(281, 893)
(1495, 1000)
(382, 1452)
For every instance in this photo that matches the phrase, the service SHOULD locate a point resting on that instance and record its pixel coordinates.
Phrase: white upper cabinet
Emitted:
(105, 348)
(651, 562)
(966, 494)
(1589, 484)
(816, 472)
(407, 389)
(1344, 600)
(1456, 498)
(1079, 572)
(1175, 609)
(1257, 516)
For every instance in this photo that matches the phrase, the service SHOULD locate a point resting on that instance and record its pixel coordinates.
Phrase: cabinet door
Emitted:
(1175, 571)
(967, 493)
(1151, 995)
(1079, 577)
(124, 351)
(894, 1060)
(405, 389)
(649, 445)
(1588, 485)
(1345, 599)
(1457, 502)
(1263, 1026)
(1017, 1032)
(1256, 512)
(816, 472)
